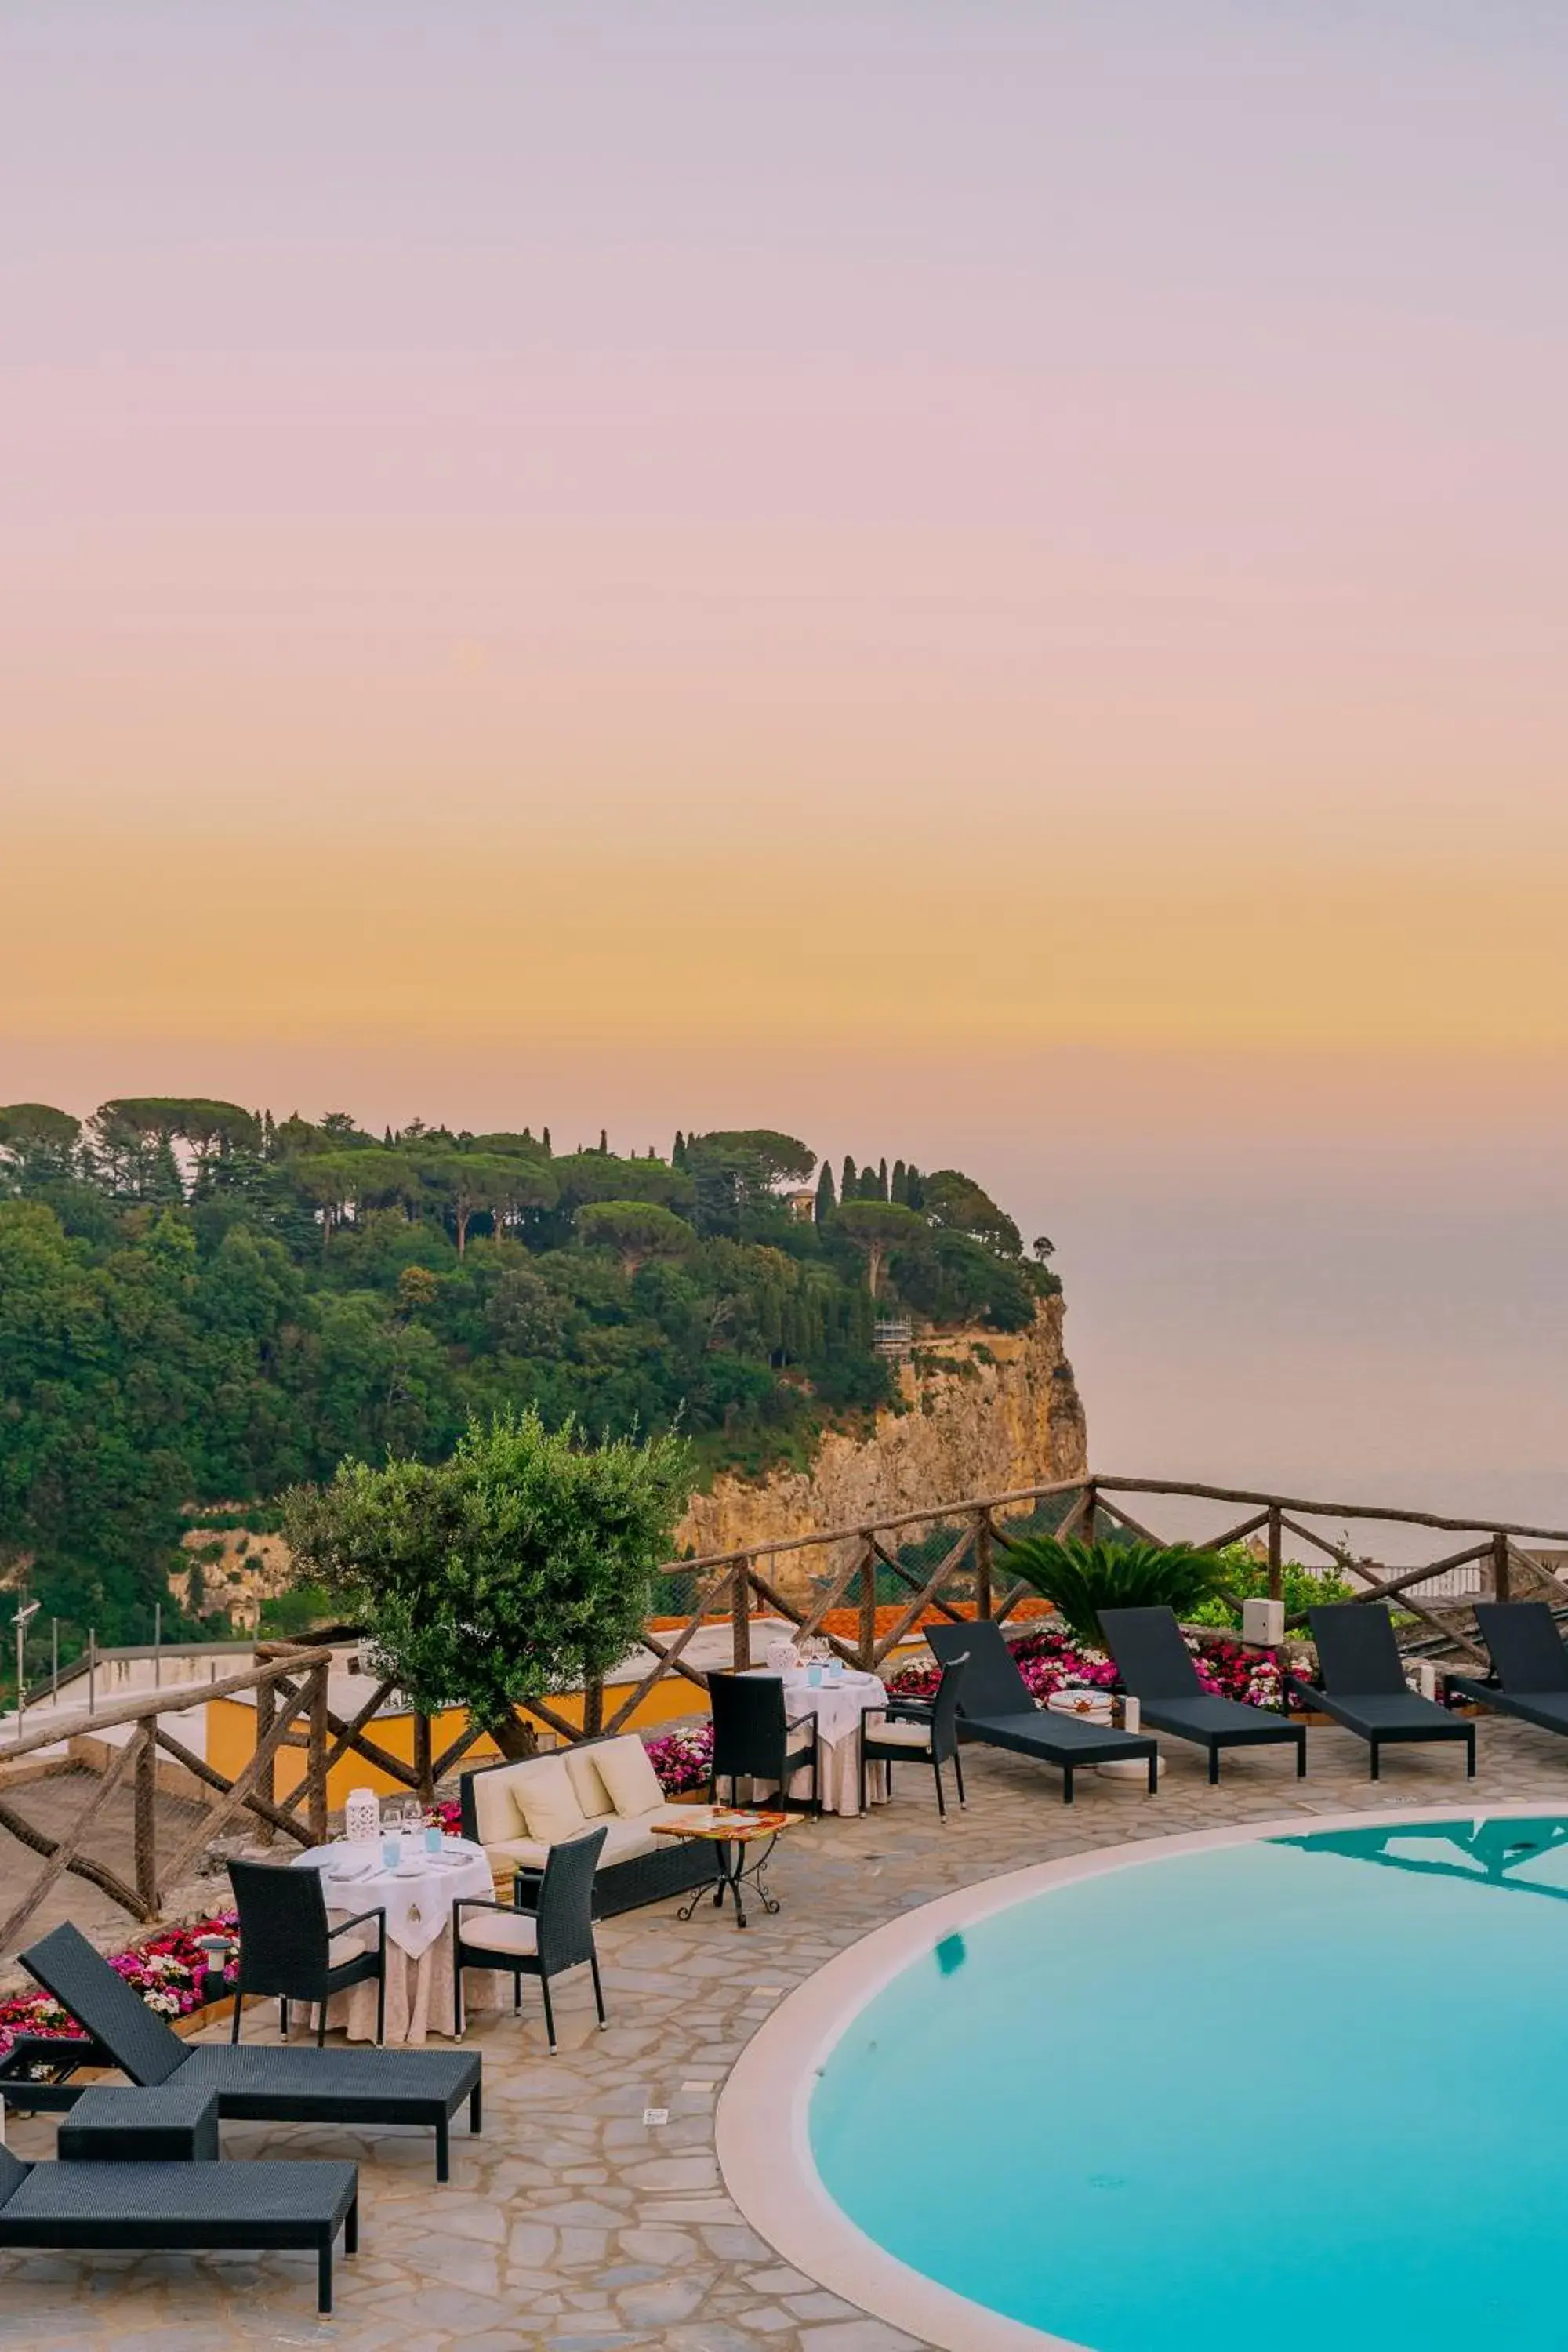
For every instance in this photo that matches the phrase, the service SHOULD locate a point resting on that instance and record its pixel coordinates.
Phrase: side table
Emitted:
(161, 2125)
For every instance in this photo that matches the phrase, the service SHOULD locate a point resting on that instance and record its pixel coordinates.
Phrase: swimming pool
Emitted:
(1315, 2084)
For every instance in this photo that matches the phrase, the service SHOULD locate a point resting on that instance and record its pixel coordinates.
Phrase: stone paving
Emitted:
(573, 2225)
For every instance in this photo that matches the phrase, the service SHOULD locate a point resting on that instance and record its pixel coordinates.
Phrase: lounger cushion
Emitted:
(1212, 1716)
(1400, 1712)
(624, 1767)
(248, 2070)
(70, 2202)
(500, 1931)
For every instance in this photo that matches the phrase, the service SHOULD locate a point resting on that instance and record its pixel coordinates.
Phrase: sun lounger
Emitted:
(1156, 1665)
(254, 2081)
(1530, 1659)
(1364, 1687)
(259, 2206)
(995, 1706)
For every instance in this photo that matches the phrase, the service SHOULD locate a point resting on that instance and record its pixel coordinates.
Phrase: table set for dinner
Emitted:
(837, 1695)
(414, 1874)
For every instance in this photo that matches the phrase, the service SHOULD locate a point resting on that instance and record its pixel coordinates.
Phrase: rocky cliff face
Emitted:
(986, 1411)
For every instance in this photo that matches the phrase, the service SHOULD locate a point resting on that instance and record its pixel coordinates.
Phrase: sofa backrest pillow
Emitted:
(548, 1800)
(591, 1792)
(626, 1771)
(497, 1816)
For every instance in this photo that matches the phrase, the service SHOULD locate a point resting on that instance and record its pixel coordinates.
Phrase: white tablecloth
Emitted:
(838, 1707)
(417, 1898)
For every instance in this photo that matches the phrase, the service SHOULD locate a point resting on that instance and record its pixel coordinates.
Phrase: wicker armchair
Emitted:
(753, 1735)
(917, 1729)
(547, 1928)
(286, 1944)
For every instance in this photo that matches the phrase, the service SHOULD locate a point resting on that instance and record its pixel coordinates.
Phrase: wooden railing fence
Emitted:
(958, 1569)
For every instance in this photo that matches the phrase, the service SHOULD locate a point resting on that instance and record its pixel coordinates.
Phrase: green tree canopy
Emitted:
(876, 1227)
(521, 1566)
(637, 1231)
(956, 1201)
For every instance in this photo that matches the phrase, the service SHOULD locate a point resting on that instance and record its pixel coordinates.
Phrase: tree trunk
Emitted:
(516, 1738)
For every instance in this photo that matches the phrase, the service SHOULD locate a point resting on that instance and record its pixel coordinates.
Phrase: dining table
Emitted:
(417, 1895)
(838, 1702)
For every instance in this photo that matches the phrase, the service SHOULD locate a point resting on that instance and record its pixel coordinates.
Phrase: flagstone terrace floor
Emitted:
(570, 2225)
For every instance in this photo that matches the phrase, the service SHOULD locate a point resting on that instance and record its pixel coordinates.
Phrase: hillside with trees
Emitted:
(201, 1306)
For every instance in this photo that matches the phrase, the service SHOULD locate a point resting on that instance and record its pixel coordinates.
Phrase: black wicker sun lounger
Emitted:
(254, 2081)
(261, 2206)
(996, 1705)
(1530, 1659)
(1364, 1687)
(1157, 1667)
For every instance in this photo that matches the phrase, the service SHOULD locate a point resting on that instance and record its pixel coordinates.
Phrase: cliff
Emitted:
(985, 1411)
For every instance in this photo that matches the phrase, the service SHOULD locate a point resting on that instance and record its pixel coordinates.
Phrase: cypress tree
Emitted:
(883, 1181)
(826, 1202)
(869, 1191)
(545, 1141)
(915, 1189)
(386, 1139)
(603, 1143)
(849, 1184)
(527, 1135)
(678, 1155)
(900, 1189)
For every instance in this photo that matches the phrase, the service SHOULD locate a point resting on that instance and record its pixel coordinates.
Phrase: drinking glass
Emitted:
(389, 1852)
(433, 1838)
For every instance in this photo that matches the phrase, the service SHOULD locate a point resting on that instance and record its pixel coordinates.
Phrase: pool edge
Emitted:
(772, 2176)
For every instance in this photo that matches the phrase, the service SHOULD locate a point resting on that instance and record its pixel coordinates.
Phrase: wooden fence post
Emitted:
(984, 1598)
(1276, 1554)
(1090, 1505)
(1502, 1571)
(146, 1815)
(740, 1617)
(267, 1780)
(316, 1755)
(869, 1607)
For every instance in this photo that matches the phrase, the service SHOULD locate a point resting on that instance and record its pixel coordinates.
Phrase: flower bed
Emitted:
(1049, 1661)
(167, 1970)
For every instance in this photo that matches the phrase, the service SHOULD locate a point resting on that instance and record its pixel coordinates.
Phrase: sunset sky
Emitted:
(987, 581)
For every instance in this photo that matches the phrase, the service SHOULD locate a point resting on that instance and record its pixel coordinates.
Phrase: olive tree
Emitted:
(523, 1564)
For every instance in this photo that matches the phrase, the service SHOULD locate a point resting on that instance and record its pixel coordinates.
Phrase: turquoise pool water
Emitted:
(1308, 2090)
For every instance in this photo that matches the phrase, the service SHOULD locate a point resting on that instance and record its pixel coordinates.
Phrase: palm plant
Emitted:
(1080, 1579)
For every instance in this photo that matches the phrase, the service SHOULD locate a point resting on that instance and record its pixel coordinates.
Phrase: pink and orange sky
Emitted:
(990, 582)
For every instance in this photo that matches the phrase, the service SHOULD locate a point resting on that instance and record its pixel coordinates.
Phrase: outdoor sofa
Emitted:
(255, 2082)
(1156, 1665)
(1529, 1660)
(1364, 1687)
(261, 2205)
(516, 1811)
(996, 1707)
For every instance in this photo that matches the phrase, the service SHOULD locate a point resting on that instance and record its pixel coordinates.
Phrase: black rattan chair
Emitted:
(150, 2207)
(547, 1928)
(286, 1944)
(255, 2083)
(917, 1730)
(1364, 1687)
(752, 1734)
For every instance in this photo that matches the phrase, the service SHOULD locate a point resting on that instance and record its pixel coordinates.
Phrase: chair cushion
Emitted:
(626, 1771)
(497, 1814)
(501, 1931)
(547, 1800)
(898, 1735)
(591, 1792)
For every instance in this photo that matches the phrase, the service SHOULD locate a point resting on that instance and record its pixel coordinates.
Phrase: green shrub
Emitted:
(1081, 1578)
(1247, 1580)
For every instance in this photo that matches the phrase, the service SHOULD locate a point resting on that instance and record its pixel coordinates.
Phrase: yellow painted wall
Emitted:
(231, 1737)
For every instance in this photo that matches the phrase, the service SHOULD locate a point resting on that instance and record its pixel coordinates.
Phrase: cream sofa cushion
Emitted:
(622, 1839)
(547, 1799)
(626, 1773)
(496, 1814)
(583, 1774)
(523, 1853)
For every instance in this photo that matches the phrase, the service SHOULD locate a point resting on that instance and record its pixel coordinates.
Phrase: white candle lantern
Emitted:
(361, 1817)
